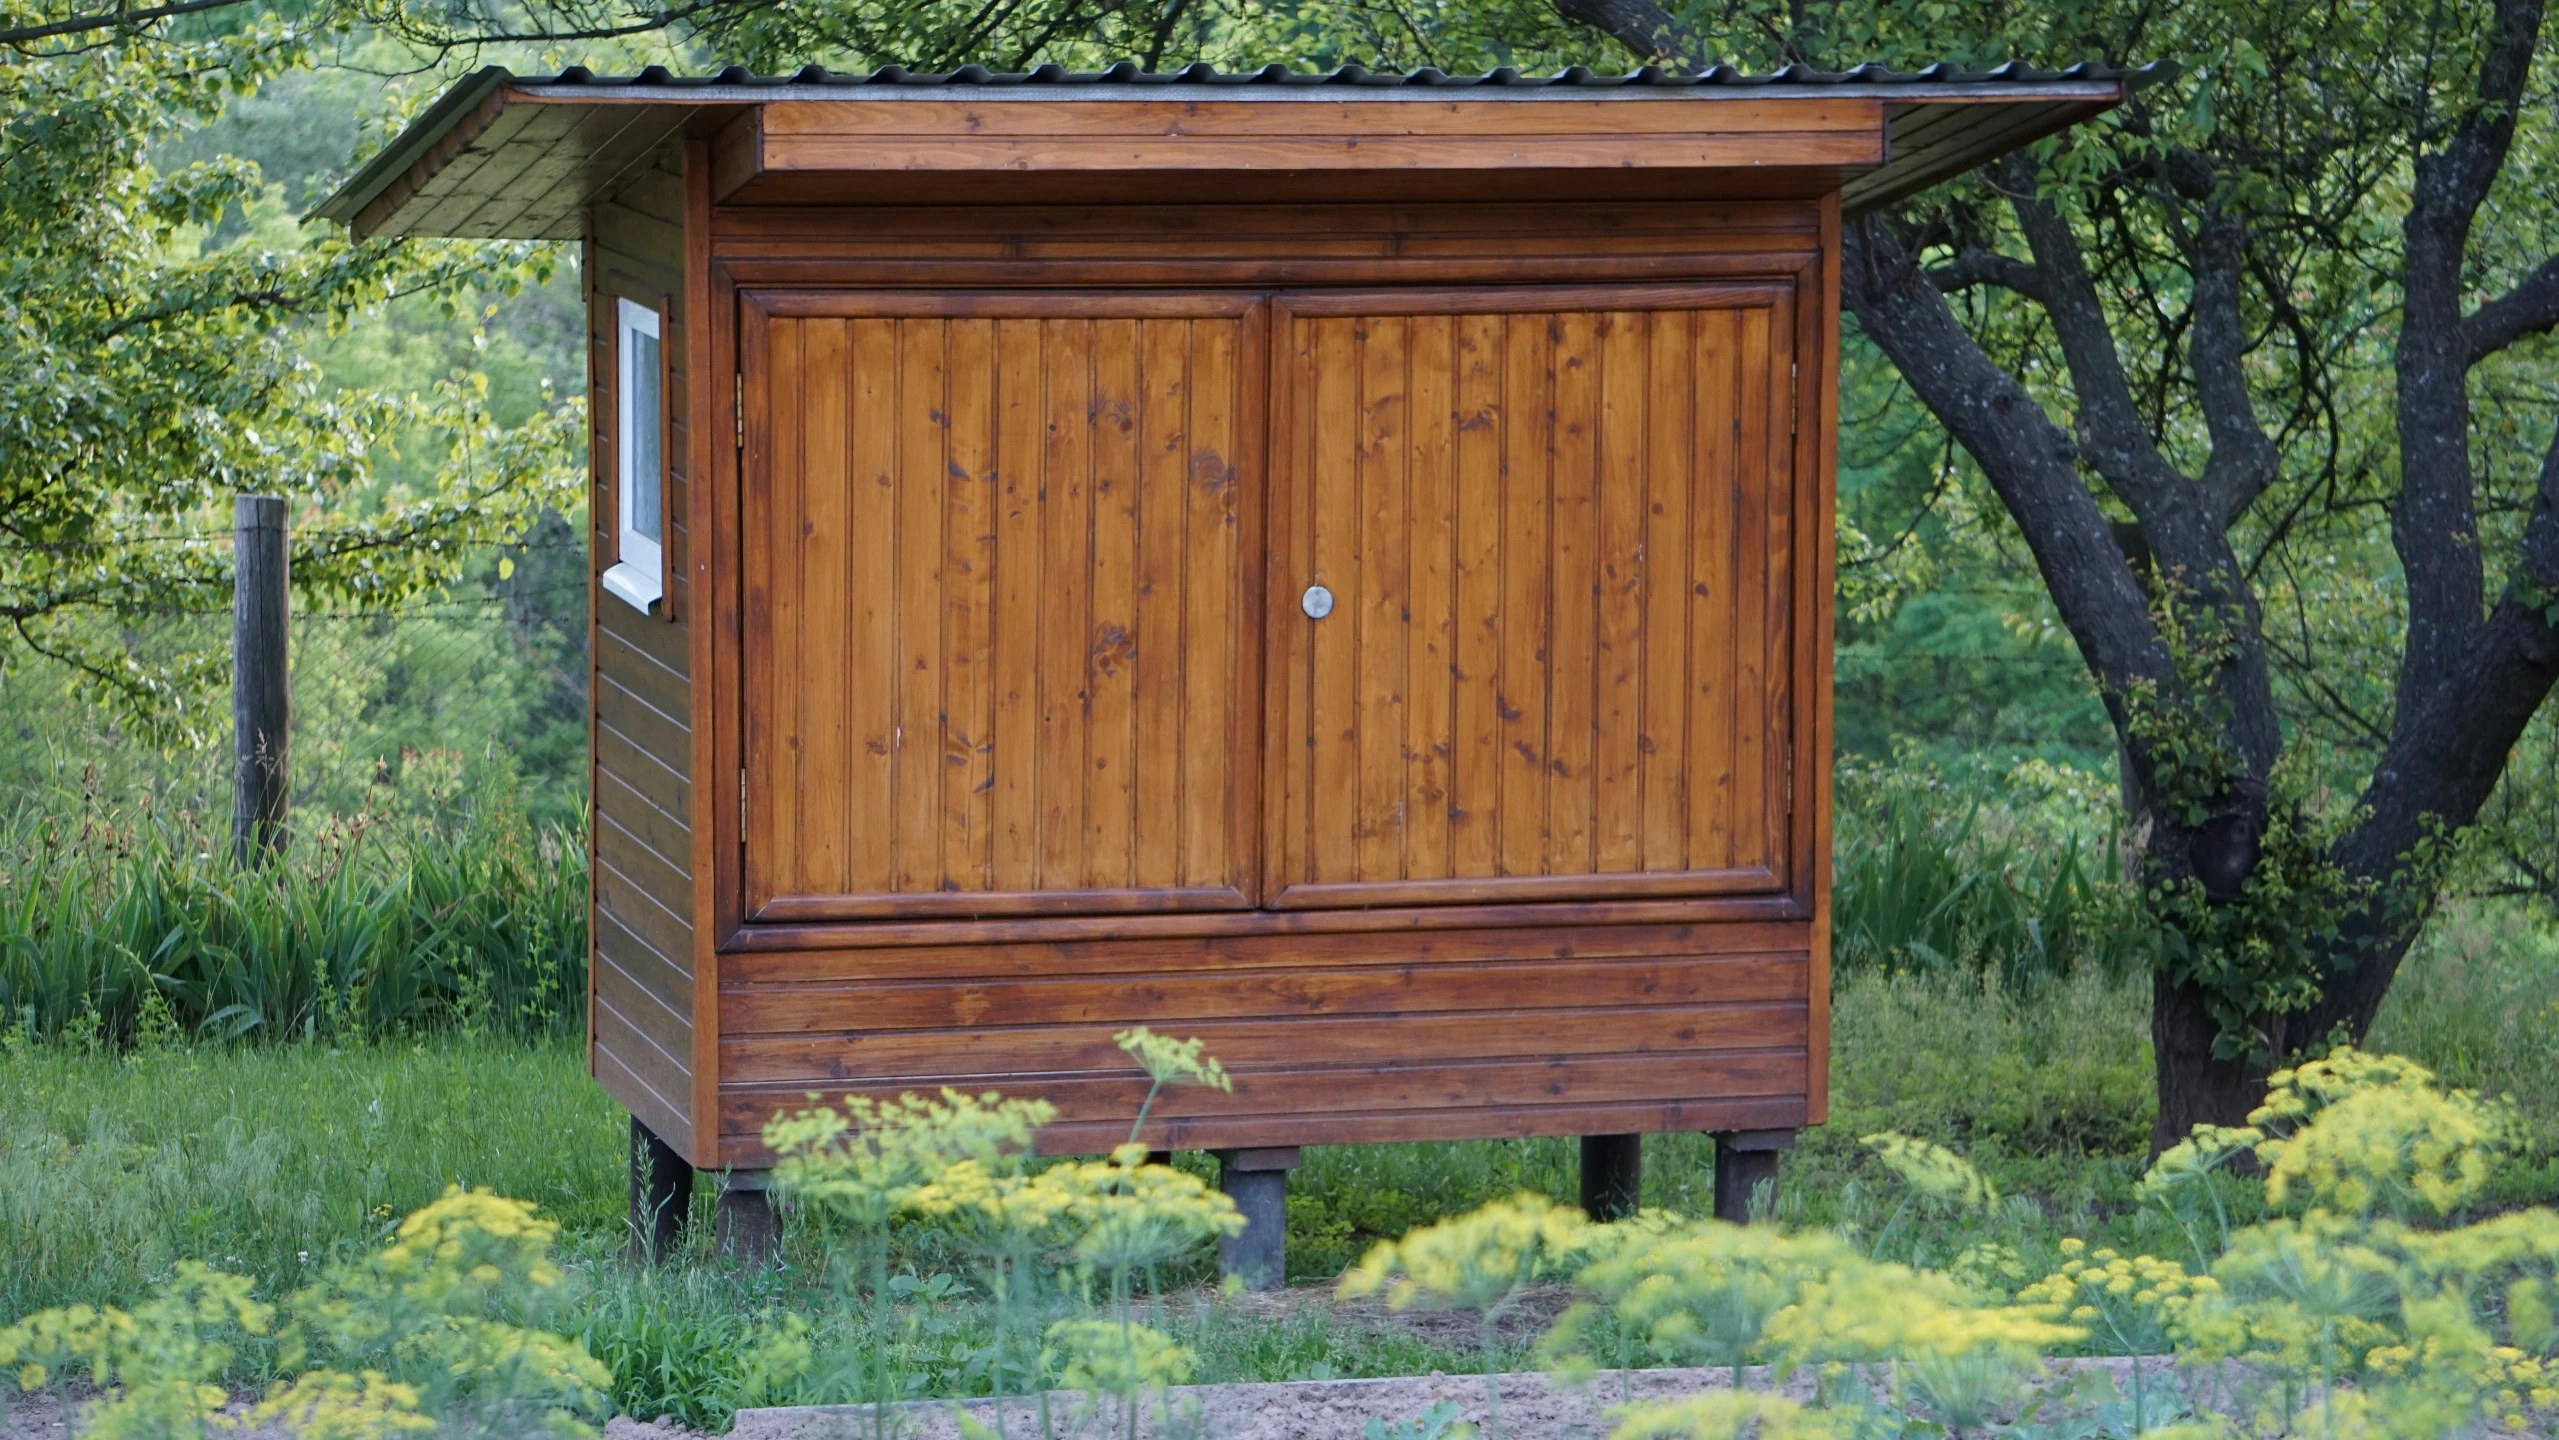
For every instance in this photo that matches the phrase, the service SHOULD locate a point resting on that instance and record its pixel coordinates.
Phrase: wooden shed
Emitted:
(1337, 565)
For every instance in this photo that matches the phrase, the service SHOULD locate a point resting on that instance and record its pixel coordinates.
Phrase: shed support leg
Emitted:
(747, 1229)
(1746, 1172)
(661, 1196)
(1257, 1181)
(1612, 1175)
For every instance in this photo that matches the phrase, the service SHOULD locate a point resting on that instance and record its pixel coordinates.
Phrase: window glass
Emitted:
(642, 429)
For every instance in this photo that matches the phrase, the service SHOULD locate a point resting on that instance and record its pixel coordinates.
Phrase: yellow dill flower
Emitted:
(2356, 1133)
(1173, 1062)
(329, 1405)
(864, 1163)
(1732, 1415)
(1475, 1261)
(2132, 1301)
(2206, 1149)
(1107, 1357)
(1933, 1171)
(1703, 1292)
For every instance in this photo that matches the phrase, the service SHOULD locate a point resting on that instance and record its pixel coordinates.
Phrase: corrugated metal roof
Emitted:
(1936, 122)
(1939, 78)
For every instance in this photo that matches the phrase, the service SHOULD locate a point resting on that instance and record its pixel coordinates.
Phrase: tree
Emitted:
(2175, 392)
(151, 374)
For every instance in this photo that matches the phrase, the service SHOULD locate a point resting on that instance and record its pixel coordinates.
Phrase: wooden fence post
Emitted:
(260, 699)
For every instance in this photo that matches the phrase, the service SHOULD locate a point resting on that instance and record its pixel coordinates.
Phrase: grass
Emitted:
(270, 1159)
(122, 924)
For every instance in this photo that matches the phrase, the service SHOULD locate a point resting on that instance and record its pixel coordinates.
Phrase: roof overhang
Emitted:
(503, 157)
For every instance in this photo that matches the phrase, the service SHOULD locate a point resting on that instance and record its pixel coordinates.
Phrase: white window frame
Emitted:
(638, 576)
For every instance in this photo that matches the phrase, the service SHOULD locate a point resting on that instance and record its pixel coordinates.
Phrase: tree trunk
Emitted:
(2194, 1087)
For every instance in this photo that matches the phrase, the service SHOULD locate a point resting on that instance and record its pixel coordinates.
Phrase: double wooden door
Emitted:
(1112, 602)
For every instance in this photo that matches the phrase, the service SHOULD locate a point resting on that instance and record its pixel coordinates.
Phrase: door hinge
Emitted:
(741, 805)
(740, 411)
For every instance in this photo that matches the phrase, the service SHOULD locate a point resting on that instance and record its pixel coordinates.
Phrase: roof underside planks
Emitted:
(499, 157)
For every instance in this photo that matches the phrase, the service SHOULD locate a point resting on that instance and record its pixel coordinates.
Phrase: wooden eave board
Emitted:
(1930, 143)
(975, 135)
(522, 159)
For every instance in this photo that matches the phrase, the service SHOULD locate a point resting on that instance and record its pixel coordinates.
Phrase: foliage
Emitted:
(119, 925)
(419, 1337)
(1933, 875)
(171, 373)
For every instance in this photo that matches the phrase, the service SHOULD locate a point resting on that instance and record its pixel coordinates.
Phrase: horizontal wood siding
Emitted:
(1469, 1033)
(997, 572)
(642, 1034)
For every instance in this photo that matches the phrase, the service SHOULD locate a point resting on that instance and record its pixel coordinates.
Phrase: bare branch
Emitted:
(1987, 267)
(2528, 309)
(2243, 460)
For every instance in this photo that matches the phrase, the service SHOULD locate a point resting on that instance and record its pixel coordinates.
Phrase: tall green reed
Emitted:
(1923, 885)
(120, 922)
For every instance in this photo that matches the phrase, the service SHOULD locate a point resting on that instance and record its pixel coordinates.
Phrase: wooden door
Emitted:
(997, 554)
(1556, 528)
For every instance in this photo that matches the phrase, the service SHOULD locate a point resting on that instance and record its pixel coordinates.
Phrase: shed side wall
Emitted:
(641, 1038)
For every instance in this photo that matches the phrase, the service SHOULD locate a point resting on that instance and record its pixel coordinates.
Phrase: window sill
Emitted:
(635, 586)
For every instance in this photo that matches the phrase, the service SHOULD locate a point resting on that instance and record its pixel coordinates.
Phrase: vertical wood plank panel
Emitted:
(1163, 449)
(1714, 546)
(1066, 528)
(1669, 479)
(1211, 634)
(1750, 589)
(823, 425)
(1475, 768)
(1528, 398)
(1007, 553)
(778, 815)
(1380, 609)
(923, 459)
(968, 589)
(1573, 448)
(1013, 810)
(1777, 628)
(1332, 737)
(1110, 795)
(871, 683)
(1430, 678)
(1617, 812)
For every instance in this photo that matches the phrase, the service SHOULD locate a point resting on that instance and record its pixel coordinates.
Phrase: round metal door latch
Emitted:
(1317, 602)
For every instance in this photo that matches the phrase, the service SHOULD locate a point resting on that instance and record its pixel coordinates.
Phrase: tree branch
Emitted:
(2444, 762)
(2528, 309)
(2243, 460)
(1639, 25)
(2026, 457)
(2112, 435)
(112, 20)
(2435, 525)
(1988, 267)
